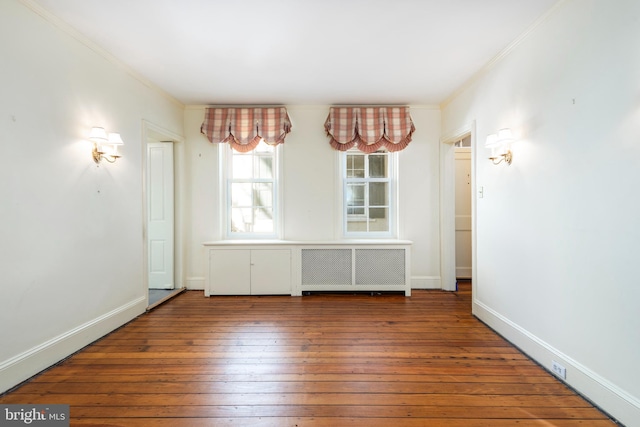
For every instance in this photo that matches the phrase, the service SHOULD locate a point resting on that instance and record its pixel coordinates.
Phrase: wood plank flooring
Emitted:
(319, 360)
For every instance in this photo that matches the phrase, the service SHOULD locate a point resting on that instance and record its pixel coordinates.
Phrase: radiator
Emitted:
(354, 269)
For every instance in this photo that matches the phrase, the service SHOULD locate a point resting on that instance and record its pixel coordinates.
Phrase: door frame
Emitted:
(448, 207)
(155, 133)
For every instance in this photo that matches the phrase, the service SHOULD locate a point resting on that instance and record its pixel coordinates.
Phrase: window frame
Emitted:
(392, 180)
(226, 154)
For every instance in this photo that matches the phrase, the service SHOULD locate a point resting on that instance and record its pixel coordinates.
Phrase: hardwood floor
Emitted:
(320, 360)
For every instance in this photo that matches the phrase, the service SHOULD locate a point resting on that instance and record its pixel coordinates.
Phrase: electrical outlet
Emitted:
(559, 370)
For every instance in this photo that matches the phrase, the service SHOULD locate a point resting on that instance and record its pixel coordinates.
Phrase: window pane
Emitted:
(241, 194)
(355, 211)
(356, 225)
(378, 194)
(242, 166)
(378, 165)
(355, 166)
(263, 147)
(252, 220)
(264, 167)
(263, 194)
(379, 219)
(241, 220)
(355, 195)
(263, 220)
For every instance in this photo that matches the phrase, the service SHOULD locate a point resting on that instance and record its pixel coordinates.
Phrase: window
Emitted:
(251, 188)
(463, 143)
(368, 193)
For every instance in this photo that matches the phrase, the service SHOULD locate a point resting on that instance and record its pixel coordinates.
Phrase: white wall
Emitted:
(71, 251)
(310, 184)
(557, 231)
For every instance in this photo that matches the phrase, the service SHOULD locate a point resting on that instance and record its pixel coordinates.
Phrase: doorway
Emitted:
(162, 243)
(459, 141)
(463, 223)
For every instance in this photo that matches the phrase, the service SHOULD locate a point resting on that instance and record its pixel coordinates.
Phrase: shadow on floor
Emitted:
(158, 296)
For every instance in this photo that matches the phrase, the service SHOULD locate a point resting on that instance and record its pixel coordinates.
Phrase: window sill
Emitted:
(266, 242)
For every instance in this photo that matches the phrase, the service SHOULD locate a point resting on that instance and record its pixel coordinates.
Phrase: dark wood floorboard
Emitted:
(319, 360)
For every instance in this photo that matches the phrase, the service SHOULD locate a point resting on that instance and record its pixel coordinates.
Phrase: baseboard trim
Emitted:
(27, 364)
(426, 282)
(610, 398)
(463, 272)
(195, 283)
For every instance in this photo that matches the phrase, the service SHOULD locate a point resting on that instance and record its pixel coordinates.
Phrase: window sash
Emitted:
(250, 207)
(367, 212)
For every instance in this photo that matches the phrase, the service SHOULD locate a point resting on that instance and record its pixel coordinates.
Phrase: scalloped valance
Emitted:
(369, 128)
(244, 128)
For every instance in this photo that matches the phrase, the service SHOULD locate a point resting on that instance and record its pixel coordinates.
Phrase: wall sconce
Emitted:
(499, 144)
(105, 146)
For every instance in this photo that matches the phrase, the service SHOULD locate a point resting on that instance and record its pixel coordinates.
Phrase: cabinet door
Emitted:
(271, 272)
(230, 272)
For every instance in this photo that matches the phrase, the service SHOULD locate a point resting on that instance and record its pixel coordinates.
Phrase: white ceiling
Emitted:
(302, 51)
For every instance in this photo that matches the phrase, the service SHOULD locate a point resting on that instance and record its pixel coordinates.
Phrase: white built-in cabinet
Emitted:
(296, 268)
(251, 271)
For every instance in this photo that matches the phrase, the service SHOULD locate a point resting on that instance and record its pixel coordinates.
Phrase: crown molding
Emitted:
(69, 30)
(305, 106)
(503, 53)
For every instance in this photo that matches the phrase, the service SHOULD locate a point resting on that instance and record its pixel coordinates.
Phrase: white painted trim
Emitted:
(280, 190)
(463, 272)
(474, 208)
(27, 364)
(594, 387)
(426, 282)
(447, 217)
(338, 222)
(456, 135)
(195, 283)
(305, 107)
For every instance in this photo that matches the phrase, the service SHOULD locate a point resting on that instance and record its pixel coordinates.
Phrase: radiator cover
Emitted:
(354, 269)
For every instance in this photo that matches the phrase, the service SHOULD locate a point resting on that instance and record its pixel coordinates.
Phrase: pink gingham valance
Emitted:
(369, 128)
(244, 128)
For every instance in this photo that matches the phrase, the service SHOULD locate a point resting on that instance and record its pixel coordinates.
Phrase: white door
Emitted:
(463, 212)
(160, 214)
